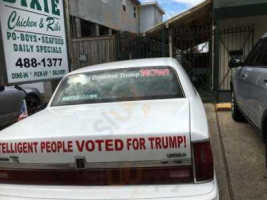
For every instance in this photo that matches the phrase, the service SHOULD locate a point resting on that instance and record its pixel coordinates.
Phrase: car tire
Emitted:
(236, 113)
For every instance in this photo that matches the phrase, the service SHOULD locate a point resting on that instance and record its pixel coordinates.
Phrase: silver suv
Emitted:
(249, 88)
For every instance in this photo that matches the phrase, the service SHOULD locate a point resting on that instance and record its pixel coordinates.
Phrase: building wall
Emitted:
(127, 20)
(150, 16)
(108, 13)
(158, 17)
(147, 18)
(232, 3)
(236, 41)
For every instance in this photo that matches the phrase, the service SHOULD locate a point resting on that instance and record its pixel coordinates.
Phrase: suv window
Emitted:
(263, 58)
(256, 55)
(119, 85)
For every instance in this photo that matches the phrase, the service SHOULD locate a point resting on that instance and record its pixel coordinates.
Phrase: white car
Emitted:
(121, 131)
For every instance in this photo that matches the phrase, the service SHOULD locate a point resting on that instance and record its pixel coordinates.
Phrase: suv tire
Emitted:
(236, 113)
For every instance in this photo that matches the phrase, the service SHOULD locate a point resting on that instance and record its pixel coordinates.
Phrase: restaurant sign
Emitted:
(34, 40)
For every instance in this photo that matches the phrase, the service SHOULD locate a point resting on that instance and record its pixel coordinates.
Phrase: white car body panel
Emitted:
(145, 122)
(169, 117)
(199, 124)
(205, 191)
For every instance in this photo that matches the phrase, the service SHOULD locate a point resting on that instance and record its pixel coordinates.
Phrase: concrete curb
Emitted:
(223, 106)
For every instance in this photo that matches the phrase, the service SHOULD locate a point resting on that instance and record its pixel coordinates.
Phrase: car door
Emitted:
(241, 87)
(257, 80)
(241, 84)
(242, 76)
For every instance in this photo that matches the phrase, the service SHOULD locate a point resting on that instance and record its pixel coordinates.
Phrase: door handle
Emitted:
(245, 76)
(265, 81)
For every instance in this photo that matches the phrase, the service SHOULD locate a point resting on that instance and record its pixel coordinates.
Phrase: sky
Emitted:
(175, 7)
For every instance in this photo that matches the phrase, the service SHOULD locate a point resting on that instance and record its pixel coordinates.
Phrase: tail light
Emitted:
(204, 168)
(123, 176)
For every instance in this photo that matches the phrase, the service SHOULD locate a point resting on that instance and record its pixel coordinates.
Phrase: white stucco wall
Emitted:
(158, 17)
(147, 18)
(150, 16)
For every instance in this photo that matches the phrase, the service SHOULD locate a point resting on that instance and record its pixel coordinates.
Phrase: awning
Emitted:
(199, 15)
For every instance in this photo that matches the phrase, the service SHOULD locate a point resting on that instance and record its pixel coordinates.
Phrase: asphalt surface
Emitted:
(239, 156)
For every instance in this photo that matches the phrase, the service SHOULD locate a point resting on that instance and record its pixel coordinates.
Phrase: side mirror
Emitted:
(235, 58)
(2, 88)
(234, 63)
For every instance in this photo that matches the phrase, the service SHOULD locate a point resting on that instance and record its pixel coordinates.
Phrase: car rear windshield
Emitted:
(119, 85)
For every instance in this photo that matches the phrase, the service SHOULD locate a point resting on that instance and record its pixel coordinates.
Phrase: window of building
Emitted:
(135, 13)
(124, 7)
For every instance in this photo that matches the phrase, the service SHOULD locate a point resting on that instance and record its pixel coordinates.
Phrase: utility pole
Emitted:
(68, 29)
(68, 39)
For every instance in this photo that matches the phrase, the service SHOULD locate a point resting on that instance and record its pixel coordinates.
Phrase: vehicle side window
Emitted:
(263, 59)
(255, 55)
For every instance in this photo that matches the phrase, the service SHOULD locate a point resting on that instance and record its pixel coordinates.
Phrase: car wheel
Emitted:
(33, 102)
(236, 113)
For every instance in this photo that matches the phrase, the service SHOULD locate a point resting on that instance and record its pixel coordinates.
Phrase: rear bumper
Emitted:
(205, 191)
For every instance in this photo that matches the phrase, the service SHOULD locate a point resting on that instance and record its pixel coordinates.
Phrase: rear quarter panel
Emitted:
(198, 119)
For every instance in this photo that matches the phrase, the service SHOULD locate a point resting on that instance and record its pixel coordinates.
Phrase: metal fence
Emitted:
(91, 51)
(192, 46)
(136, 47)
(233, 39)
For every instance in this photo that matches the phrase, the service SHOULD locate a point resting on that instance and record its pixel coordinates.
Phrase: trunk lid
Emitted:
(118, 132)
(59, 142)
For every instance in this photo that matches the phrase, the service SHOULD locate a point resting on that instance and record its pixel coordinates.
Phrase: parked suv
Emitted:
(249, 87)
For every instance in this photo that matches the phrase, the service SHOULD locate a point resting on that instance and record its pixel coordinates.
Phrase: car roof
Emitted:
(151, 62)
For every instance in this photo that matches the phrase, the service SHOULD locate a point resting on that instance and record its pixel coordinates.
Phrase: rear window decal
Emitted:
(80, 97)
(96, 145)
(119, 85)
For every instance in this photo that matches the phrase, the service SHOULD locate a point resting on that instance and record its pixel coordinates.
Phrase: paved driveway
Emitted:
(239, 155)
